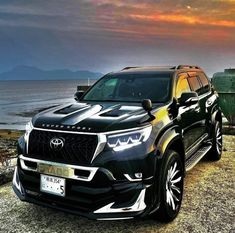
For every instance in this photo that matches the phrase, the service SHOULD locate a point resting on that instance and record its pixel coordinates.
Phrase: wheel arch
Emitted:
(171, 139)
(177, 145)
(216, 116)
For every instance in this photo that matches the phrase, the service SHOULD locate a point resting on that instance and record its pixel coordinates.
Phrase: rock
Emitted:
(6, 174)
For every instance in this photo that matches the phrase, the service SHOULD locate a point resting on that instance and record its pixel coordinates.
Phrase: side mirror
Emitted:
(147, 105)
(188, 99)
(78, 95)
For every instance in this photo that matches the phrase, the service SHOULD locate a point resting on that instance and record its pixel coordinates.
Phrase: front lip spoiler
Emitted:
(138, 209)
(138, 206)
(92, 216)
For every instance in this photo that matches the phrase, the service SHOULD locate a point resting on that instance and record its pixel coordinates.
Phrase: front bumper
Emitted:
(102, 197)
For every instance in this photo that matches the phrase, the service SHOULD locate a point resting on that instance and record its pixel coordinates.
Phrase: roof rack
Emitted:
(130, 67)
(159, 67)
(188, 67)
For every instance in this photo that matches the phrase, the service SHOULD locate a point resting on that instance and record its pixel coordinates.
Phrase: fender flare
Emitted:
(169, 137)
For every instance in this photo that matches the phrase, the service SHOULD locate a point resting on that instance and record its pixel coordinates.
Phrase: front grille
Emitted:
(78, 149)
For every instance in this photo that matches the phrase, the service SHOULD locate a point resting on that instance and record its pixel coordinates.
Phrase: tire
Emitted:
(217, 142)
(172, 183)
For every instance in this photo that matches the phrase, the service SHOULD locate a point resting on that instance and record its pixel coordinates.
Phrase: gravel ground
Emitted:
(208, 206)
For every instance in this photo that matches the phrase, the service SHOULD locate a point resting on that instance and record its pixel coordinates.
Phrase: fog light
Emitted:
(138, 175)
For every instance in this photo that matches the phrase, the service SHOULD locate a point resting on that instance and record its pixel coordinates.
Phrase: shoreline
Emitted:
(33, 112)
(19, 126)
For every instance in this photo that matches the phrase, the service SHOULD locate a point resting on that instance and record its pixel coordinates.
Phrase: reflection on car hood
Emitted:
(92, 117)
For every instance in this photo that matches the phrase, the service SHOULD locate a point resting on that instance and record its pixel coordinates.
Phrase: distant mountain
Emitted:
(33, 73)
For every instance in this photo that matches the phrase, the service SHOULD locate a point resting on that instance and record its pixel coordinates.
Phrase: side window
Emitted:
(182, 85)
(194, 84)
(205, 83)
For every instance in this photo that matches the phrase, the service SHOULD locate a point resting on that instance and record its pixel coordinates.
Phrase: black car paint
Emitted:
(98, 117)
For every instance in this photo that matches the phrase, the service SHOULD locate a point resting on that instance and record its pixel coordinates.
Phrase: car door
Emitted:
(188, 117)
(204, 92)
(197, 86)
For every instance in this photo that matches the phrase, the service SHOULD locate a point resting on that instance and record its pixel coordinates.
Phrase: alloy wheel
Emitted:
(173, 186)
(218, 140)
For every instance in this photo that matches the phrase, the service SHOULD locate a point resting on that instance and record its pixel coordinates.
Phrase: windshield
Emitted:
(131, 88)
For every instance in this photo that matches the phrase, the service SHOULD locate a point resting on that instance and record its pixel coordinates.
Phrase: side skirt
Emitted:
(196, 157)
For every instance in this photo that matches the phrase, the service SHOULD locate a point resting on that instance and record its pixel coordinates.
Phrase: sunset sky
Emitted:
(106, 35)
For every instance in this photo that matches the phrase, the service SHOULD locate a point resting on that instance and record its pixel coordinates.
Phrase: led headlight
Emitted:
(28, 129)
(127, 140)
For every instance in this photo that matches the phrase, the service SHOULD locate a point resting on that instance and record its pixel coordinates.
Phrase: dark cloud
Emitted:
(103, 35)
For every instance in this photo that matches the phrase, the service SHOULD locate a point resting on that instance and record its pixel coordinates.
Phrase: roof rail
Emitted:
(159, 67)
(188, 67)
(130, 67)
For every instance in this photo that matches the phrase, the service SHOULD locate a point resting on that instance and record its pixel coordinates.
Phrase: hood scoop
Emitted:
(114, 113)
(69, 109)
(120, 111)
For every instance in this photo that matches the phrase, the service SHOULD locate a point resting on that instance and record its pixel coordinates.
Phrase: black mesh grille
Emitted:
(78, 148)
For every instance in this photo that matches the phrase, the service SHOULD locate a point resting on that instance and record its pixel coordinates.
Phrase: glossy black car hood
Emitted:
(93, 117)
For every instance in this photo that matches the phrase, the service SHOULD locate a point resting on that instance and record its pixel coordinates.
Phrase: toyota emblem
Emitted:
(57, 143)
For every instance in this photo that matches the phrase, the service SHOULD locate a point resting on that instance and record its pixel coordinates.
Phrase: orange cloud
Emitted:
(183, 19)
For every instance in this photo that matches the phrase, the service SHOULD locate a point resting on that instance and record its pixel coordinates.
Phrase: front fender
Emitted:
(21, 146)
(167, 139)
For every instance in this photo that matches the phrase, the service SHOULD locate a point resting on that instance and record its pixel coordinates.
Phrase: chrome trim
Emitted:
(24, 167)
(27, 142)
(27, 134)
(91, 133)
(148, 178)
(111, 219)
(204, 95)
(108, 173)
(64, 131)
(131, 179)
(136, 179)
(102, 139)
(14, 181)
(92, 170)
(139, 205)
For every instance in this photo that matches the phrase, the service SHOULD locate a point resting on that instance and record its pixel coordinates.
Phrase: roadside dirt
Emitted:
(208, 206)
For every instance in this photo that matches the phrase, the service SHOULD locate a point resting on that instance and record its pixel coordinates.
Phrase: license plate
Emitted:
(52, 185)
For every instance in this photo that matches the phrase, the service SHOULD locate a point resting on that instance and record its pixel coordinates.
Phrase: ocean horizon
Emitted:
(21, 99)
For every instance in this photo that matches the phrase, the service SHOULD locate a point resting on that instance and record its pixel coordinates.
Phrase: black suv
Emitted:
(123, 148)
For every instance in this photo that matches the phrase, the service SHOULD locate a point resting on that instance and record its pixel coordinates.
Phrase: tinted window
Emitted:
(194, 84)
(182, 85)
(205, 83)
(131, 88)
